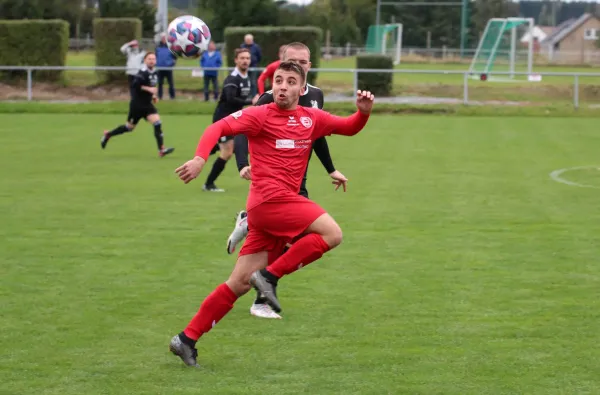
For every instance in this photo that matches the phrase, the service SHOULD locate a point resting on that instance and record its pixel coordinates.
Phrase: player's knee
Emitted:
(226, 150)
(225, 155)
(239, 285)
(130, 126)
(333, 237)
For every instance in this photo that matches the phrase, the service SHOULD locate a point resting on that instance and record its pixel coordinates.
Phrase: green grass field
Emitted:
(465, 269)
(551, 90)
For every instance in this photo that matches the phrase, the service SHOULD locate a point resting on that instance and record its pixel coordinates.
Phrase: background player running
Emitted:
(235, 95)
(280, 134)
(310, 96)
(141, 106)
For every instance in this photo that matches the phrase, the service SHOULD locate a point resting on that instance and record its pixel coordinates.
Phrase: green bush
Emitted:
(34, 43)
(110, 34)
(380, 84)
(271, 38)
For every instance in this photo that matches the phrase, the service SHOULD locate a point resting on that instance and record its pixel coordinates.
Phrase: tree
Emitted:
(238, 13)
(484, 10)
(130, 9)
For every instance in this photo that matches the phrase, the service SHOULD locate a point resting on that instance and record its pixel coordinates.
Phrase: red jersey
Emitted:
(267, 74)
(280, 142)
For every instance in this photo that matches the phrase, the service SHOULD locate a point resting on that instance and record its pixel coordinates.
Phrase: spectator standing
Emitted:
(165, 58)
(135, 58)
(255, 58)
(211, 58)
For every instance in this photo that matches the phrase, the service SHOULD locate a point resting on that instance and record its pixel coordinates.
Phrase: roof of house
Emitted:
(547, 29)
(565, 28)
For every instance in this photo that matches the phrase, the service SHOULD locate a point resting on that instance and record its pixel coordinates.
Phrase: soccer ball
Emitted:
(188, 36)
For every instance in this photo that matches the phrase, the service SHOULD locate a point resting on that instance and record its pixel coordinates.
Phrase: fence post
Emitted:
(576, 91)
(466, 88)
(355, 82)
(29, 83)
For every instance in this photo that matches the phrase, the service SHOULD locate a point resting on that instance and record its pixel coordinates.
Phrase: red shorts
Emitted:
(276, 222)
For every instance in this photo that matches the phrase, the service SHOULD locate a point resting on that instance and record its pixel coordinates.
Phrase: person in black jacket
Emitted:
(311, 96)
(143, 87)
(234, 96)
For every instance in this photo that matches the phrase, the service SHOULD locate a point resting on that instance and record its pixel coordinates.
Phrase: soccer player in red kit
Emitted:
(269, 72)
(280, 139)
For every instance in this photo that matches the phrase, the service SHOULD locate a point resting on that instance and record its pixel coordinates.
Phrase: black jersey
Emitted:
(235, 95)
(144, 77)
(311, 97)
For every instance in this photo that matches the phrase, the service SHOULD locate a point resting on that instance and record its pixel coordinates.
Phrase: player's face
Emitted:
(150, 61)
(299, 56)
(286, 88)
(243, 61)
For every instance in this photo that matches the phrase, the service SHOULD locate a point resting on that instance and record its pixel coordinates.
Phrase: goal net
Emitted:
(385, 39)
(506, 46)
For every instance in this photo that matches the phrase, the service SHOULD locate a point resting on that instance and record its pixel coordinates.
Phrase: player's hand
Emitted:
(364, 101)
(133, 42)
(246, 174)
(190, 169)
(255, 99)
(154, 99)
(339, 180)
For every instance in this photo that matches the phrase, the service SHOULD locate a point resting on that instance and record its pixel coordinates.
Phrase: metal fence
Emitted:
(543, 56)
(434, 76)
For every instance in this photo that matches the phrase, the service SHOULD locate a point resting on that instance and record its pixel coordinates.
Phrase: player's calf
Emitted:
(128, 127)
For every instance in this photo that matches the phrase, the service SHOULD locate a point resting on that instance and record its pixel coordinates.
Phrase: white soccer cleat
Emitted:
(263, 311)
(239, 232)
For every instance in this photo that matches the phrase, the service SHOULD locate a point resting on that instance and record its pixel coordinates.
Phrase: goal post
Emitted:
(386, 40)
(499, 49)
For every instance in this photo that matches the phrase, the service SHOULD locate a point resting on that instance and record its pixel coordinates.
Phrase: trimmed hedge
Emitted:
(380, 84)
(34, 43)
(271, 38)
(110, 34)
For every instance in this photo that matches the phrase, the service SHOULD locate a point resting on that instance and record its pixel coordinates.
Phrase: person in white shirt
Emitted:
(135, 59)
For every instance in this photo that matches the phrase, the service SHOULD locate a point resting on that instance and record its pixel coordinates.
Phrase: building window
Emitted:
(590, 34)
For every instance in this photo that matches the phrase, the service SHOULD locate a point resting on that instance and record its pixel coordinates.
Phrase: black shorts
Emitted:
(223, 139)
(137, 112)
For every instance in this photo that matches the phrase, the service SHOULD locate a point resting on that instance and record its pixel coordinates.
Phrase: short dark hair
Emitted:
(299, 46)
(294, 67)
(238, 51)
(148, 54)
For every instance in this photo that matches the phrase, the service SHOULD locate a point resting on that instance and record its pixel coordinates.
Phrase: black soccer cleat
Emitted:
(267, 290)
(104, 139)
(187, 353)
(165, 151)
(212, 188)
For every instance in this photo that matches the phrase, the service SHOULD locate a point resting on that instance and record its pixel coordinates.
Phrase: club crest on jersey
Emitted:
(314, 104)
(306, 122)
(237, 114)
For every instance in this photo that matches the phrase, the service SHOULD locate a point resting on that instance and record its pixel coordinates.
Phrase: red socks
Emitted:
(306, 250)
(215, 306)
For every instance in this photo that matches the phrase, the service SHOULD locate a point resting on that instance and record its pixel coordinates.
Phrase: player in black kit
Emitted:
(235, 95)
(310, 97)
(141, 106)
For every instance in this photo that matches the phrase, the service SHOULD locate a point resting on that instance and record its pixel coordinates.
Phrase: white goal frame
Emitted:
(513, 47)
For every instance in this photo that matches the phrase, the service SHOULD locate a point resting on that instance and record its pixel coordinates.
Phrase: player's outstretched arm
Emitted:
(248, 121)
(192, 168)
(347, 126)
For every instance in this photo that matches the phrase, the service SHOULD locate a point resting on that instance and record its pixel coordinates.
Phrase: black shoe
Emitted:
(212, 188)
(267, 290)
(165, 151)
(104, 140)
(187, 354)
